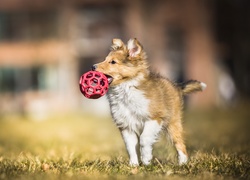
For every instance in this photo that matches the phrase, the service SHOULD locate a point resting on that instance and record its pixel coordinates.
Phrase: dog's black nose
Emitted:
(94, 67)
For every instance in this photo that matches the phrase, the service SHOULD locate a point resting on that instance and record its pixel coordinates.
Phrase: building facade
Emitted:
(45, 45)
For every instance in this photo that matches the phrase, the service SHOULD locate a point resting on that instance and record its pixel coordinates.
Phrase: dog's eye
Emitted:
(113, 62)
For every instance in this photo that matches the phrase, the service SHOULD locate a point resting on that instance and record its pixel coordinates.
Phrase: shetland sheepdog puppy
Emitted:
(143, 103)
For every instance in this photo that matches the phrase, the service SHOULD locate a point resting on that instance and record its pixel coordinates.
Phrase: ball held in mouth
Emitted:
(93, 84)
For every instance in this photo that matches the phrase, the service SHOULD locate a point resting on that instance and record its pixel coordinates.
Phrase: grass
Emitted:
(86, 147)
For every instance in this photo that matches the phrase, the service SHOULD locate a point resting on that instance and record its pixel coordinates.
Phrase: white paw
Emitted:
(182, 158)
(146, 161)
(133, 163)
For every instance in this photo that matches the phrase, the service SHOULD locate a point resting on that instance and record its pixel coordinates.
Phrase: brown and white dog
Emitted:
(143, 103)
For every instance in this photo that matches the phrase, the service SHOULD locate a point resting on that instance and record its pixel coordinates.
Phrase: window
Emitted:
(103, 21)
(176, 50)
(21, 79)
(27, 25)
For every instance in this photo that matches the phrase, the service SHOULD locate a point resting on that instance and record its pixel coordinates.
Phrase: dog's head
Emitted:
(124, 62)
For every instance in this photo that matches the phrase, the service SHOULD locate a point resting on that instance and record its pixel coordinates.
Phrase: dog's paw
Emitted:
(146, 160)
(182, 158)
(133, 163)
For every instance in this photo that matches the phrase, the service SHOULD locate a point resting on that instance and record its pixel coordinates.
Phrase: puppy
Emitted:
(143, 103)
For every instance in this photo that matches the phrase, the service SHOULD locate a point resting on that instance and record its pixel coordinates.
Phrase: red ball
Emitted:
(93, 84)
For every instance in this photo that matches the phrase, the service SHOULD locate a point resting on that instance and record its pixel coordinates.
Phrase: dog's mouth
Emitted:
(110, 78)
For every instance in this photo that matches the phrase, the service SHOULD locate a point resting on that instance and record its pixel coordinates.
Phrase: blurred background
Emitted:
(46, 45)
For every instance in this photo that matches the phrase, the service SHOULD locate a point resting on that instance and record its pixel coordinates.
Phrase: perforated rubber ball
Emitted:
(93, 84)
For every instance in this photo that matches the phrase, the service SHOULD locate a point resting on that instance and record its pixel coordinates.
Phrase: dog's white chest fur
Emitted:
(129, 107)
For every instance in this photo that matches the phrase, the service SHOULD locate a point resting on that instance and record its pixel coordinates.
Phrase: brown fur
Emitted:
(165, 96)
(191, 87)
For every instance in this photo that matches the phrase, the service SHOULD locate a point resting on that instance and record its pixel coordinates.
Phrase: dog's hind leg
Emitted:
(148, 138)
(175, 133)
(131, 141)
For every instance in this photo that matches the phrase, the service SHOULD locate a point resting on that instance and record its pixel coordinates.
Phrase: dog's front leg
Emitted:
(148, 138)
(131, 141)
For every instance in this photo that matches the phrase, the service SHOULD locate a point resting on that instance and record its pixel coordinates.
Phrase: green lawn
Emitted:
(82, 146)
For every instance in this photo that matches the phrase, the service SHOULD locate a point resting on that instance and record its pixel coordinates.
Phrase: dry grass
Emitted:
(85, 147)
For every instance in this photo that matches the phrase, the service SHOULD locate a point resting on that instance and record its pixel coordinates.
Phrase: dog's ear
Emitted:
(134, 47)
(117, 44)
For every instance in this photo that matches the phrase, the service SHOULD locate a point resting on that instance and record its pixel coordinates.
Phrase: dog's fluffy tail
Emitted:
(192, 86)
